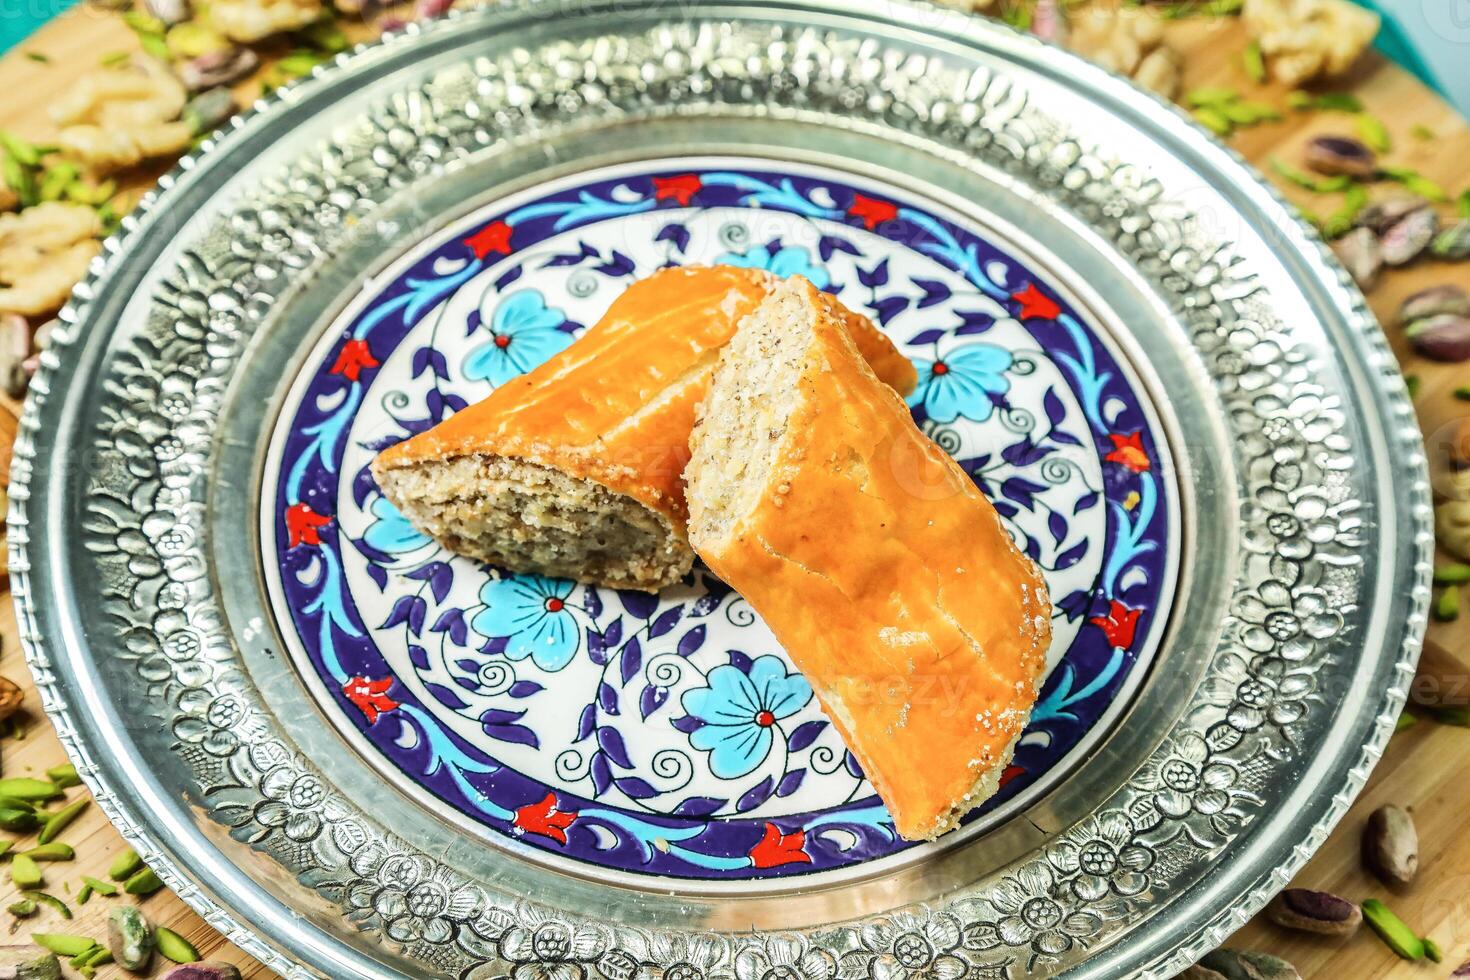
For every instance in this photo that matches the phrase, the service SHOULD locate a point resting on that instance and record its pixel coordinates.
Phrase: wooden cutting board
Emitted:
(1421, 769)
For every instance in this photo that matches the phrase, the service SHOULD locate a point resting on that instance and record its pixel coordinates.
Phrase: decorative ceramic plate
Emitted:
(359, 755)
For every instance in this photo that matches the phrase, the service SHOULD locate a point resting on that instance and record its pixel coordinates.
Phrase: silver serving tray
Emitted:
(1299, 565)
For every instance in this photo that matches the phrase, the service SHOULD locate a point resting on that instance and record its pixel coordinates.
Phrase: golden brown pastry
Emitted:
(881, 568)
(575, 469)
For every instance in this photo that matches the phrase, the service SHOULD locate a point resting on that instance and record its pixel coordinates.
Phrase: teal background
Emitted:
(1431, 38)
(19, 18)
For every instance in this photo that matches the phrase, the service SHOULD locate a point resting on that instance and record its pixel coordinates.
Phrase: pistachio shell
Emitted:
(204, 970)
(215, 68)
(1341, 155)
(1360, 252)
(1454, 242)
(1434, 301)
(207, 110)
(1391, 845)
(1239, 964)
(1445, 337)
(1380, 215)
(1313, 911)
(1406, 238)
(168, 11)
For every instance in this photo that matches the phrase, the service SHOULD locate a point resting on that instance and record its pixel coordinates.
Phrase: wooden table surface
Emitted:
(1421, 768)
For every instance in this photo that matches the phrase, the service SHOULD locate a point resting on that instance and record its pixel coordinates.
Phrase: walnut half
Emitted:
(248, 21)
(114, 118)
(1306, 39)
(44, 251)
(1129, 41)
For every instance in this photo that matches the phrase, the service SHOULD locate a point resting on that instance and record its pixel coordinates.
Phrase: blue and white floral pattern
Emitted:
(670, 734)
(524, 332)
(967, 382)
(531, 613)
(739, 711)
(390, 532)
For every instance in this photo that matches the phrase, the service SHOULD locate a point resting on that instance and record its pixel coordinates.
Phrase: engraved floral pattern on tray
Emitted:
(144, 521)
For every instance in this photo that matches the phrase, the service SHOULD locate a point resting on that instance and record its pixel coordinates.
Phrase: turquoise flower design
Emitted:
(793, 260)
(967, 381)
(739, 711)
(531, 612)
(390, 531)
(524, 333)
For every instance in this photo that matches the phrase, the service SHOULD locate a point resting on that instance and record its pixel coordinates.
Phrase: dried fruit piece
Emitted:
(1341, 155)
(1360, 253)
(1434, 301)
(1391, 845)
(1406, 238)
(129, 937)
(1314, 911)
(1392, 930)
(175, 947)
(207, 970)
(1441, 338)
